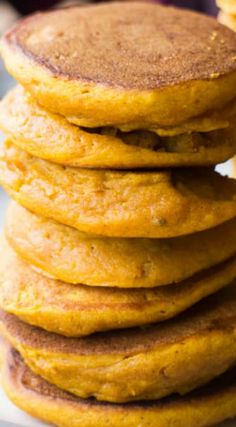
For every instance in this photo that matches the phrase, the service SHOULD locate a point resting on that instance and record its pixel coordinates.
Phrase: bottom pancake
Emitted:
(74, 257)
(228, 20)
(207, 406)
(136, 364)
(78, 310)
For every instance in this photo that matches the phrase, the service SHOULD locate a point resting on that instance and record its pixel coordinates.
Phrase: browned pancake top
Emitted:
(21, 376)
(217, 312)
(129, 45)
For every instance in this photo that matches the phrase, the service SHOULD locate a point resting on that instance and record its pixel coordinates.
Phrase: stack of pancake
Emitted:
(118, 260)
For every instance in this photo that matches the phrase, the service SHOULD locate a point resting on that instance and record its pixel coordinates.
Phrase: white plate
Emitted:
(10, 413)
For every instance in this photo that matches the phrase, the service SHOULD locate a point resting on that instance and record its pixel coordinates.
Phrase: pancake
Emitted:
(51, 137)
(234, 167)
(149, 363)
(129, 65)
(228, 20)
(80, 310)
(228, 6)
(71, 256)
(120, 204)
(50, 404)
(207, 406)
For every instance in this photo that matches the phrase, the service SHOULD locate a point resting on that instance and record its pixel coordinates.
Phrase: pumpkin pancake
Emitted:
(228, 6)
(80, 310)
(228, 20)
(234, 167)
(129, 65)
(149, 363)
(120, 204)
(209, 405)
(51, 137)
(67, 254)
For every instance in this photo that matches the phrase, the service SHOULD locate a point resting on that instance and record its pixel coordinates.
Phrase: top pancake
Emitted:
(83, 61)
(228, 6)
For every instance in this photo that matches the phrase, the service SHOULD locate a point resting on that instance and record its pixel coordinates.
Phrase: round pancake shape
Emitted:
(80, 310)
(2, 347)
(209, 405)
(228, 6)
(69, 255)
(52, 137)
(132, 65)
(228, 20)
(133, 364)
(156, 204)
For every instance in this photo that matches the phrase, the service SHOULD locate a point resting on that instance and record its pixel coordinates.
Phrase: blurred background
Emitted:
(10, 11)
